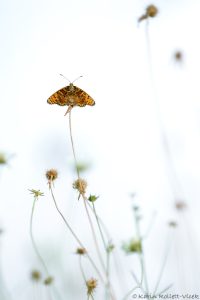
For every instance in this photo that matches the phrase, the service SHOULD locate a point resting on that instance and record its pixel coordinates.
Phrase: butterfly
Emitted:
(71, 95)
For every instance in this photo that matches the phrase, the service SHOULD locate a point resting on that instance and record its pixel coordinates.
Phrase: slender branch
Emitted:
(74, 235)
(81, 268)
(141, 254)
(94, 234)
(33, 241)
(167, 250)
(99, 226)
(85, 199)
(72, 143)
(86, 209)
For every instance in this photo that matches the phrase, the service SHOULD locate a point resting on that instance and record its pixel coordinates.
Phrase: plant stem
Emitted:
(93, 234)
(33, 241)
(162, 267)
(85, 199)
(86, 209)
(74, 235)
(81, 268)
(99, 226)
(72, 143)
(107, 252)
(141, 254)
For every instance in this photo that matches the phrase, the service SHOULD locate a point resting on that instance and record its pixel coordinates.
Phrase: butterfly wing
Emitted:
(72, 96)
(59, 97)
(82, 98)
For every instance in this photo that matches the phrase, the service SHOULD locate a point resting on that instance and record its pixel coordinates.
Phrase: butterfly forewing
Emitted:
(71, 95)
(59, 97)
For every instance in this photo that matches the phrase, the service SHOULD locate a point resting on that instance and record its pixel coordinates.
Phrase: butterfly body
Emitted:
(71, 95)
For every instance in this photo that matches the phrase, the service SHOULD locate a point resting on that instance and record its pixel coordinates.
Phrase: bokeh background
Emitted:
(141, 137)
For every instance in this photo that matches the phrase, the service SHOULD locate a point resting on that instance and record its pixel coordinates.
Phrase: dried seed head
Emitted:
(178, 55)
(81, 251)
(35, 275)
(80, 185)
(51, 175)
(48, 280)
(151, 11)
(180, 205)
(91, 285)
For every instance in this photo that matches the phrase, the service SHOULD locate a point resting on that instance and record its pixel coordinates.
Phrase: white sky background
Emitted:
(120, 137)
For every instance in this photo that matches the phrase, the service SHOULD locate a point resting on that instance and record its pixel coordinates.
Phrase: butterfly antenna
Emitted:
(65, 77)
(77, 78)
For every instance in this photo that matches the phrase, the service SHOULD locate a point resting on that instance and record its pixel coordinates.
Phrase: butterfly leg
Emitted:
(68, 110)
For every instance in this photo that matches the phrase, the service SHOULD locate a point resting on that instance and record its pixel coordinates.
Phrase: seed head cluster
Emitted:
(151, 12)
(81, 251)
(91, 285)
(80, 185)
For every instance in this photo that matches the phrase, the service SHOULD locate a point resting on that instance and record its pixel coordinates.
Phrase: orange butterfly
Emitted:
(72, 96)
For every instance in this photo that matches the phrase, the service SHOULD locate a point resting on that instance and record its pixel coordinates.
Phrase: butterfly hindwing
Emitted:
(83, 98)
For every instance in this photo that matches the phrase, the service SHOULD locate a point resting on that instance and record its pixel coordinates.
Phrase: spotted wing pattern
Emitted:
(71, 95)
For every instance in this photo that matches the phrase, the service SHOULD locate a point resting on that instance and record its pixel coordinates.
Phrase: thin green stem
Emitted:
(72, 143)
(141, 254)
(81, 268)
(85, 199)
(85, 205)
(151, 223)
(166, 289)
(93, 234)
(108, 273)
(101, 222)
(99, 226)
(138, 282)
(74, 235)
(33, 241)
(167, 250)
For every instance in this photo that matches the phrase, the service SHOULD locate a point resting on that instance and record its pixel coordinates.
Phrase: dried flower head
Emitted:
(36, 275)
(81, 251)
(178, 55)
(180, 205)
(91, 285)
(133, 246)
(80, 185)
(151, 11)
(51, 175)
(48, 280)
(36, 193)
